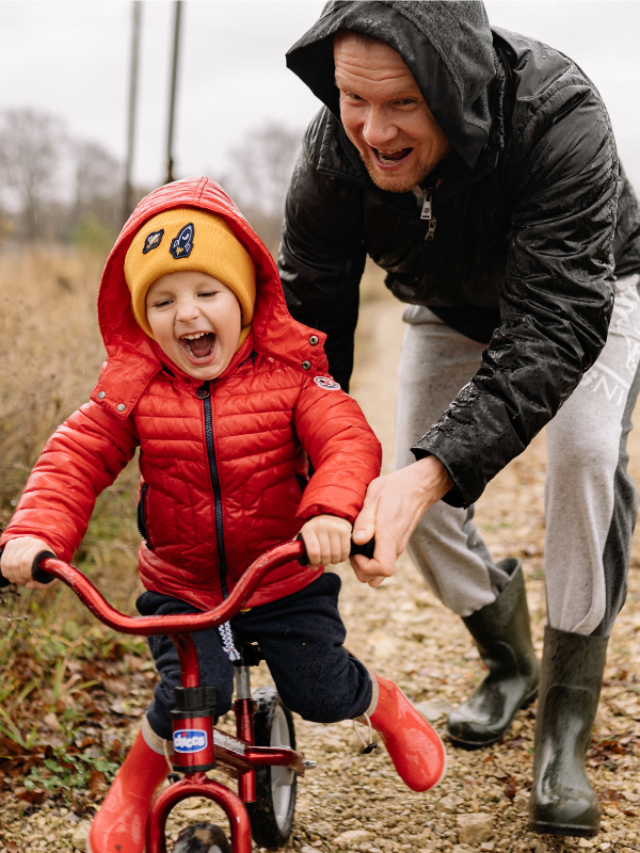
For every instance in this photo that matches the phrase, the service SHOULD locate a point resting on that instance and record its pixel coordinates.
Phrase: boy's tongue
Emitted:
(202, 346)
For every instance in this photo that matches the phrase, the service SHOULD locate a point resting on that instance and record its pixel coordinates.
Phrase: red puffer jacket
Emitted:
(223, 463)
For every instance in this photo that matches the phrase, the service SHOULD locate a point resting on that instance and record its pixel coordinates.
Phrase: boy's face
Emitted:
(196, 321)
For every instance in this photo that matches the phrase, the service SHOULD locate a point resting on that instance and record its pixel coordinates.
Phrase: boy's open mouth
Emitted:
(199, 345)
(389, 157)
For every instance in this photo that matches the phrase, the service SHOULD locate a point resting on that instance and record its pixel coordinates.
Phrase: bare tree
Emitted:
(259, 176)
(97, 184)
(31, 149)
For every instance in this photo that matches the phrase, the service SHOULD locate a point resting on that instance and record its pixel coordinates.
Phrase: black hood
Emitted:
(448, 47)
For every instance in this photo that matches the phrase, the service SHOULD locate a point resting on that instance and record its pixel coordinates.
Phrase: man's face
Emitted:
(385, 115)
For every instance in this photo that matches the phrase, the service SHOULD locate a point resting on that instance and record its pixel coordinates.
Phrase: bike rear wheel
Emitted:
(272, 814)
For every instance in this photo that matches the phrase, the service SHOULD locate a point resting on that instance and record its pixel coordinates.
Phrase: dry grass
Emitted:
(50, 356)
(50, 352)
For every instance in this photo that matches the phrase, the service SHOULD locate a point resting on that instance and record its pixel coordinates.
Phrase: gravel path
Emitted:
(357, 802)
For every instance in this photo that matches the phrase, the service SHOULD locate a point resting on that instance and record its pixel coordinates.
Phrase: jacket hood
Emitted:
(134, 359)
(447, 46)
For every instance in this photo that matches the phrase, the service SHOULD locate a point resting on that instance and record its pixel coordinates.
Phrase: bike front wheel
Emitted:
(202, 837)
(272, 814)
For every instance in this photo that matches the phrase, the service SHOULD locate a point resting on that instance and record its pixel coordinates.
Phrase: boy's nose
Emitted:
(186, 310)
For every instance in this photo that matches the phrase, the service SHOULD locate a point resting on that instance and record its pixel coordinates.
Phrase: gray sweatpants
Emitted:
(590, 500)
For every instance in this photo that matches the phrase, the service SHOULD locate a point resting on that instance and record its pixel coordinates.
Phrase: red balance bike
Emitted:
(261, 756)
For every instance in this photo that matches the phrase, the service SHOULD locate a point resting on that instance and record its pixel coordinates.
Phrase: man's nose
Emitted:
(379, 129)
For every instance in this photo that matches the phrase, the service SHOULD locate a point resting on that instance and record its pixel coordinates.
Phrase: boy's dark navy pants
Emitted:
(301, 637)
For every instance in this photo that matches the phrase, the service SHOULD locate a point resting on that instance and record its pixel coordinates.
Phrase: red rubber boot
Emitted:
(119, 826)
(413, 745)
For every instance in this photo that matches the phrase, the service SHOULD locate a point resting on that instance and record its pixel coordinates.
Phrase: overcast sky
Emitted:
(71, 58)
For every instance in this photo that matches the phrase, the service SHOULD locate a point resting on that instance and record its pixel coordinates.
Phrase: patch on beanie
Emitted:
(152, 241)
(183, 244)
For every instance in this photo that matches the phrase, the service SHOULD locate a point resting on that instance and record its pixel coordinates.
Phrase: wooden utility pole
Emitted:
(174, 78)
(136, 8)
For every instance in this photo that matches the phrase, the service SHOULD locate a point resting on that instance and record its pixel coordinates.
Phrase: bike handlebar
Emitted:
(46, 567)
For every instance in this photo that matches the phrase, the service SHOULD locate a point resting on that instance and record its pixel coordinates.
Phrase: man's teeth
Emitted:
(394, 156)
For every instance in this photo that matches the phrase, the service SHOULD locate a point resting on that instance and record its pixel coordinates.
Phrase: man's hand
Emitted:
(327, 539)
(394, 505)
(17, 559)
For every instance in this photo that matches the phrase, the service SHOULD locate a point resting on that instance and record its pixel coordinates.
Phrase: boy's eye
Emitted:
(208, 293)
(161, 303)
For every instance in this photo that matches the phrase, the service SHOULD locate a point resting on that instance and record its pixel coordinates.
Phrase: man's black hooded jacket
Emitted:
(534, 220)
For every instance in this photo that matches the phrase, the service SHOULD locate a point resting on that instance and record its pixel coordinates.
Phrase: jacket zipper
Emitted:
(215, 482)
(427, 213)
(142, 527)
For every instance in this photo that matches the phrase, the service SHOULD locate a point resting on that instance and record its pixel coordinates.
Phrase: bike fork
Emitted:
(244, 708)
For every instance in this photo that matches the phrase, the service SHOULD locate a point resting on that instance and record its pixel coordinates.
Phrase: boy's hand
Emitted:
(17, 560)
(327, 539)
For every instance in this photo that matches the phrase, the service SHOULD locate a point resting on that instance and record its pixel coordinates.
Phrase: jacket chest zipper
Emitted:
(215, 482)
(427, 213)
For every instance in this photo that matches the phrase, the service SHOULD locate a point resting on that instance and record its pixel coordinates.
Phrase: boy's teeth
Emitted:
(200, 345)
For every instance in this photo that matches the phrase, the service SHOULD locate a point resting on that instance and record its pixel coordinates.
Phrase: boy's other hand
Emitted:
(17, 560)
(327, 539)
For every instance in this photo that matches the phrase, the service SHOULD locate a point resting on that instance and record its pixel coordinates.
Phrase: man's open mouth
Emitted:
(389, 157)
(199, 345)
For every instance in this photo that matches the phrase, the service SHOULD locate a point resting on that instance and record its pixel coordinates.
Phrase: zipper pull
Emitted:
(432, 229)
(425, 213)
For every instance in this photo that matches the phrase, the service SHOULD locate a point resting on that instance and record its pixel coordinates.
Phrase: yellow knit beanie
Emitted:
(193, 240)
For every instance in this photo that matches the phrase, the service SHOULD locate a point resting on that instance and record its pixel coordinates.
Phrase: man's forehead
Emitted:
(370, 61)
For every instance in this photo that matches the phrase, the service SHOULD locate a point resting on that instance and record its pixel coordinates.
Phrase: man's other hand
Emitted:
(394, 505)
(17, 559)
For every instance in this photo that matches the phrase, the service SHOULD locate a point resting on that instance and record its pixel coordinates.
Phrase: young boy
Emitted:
(227, 396)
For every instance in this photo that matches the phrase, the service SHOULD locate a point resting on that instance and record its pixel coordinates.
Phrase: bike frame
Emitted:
(238, 754)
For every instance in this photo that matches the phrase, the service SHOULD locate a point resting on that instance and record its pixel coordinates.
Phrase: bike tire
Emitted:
(272, 814)
(202, 837)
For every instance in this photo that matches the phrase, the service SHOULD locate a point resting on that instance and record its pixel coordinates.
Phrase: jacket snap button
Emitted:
(102, 395)
(314, 340)
(121, 407)
(306, 365)
(202, 393)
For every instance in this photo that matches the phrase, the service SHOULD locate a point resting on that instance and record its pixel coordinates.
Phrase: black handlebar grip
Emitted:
(3, 581)
(366, 550)
(36, 572)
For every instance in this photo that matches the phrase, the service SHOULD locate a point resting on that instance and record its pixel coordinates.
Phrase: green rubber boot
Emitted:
(562, 800)
(502, 633)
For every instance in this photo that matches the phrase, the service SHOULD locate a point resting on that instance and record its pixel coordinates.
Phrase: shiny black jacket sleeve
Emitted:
(563, 177)
(322, 256)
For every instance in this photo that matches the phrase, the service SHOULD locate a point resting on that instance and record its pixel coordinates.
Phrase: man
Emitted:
(479, 169)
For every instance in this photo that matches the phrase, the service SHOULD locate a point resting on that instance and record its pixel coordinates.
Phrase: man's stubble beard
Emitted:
(400, 185)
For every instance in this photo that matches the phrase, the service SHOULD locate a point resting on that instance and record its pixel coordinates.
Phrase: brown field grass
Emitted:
(50, 356)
